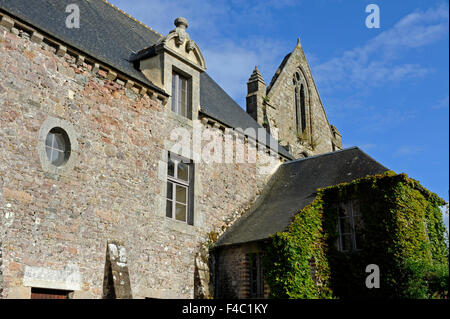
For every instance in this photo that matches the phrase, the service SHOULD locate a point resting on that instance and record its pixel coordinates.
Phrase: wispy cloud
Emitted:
(379, 60)
(441, 104)
(408, 150)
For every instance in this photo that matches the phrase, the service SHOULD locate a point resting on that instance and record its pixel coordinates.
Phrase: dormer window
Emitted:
(180, 95)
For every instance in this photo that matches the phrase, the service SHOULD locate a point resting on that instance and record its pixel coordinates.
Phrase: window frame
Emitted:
(174, 182)
(351, 221)
(256, 281)
(179, 79)
(65, 149)
(300, 98)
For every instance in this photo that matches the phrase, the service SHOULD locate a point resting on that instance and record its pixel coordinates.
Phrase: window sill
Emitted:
(180, 118)
(179, 226)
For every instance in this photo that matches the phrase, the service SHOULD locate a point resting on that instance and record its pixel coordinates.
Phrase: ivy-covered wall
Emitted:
(403, 233)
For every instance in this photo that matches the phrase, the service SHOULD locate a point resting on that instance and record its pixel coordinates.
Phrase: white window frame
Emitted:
(175, 181)
(351, 216)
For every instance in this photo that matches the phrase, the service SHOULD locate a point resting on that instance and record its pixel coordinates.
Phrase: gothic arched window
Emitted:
(300, 103)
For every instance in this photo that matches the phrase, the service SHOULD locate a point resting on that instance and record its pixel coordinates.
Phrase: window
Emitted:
(179, 190)
(300, 103)
(180, 95)
(57, 146)
(41, 293)
(349, 226)
(256, 277)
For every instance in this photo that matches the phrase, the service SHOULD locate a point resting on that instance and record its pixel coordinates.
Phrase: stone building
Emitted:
(292, 187)
(116, 176)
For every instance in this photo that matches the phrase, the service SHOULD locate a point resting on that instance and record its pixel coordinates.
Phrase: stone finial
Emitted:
(181, 22)
(298, 42)
(256, 76)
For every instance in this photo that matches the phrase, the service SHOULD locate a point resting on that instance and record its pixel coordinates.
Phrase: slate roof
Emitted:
(114, 38)
(216, 103)
(292, 187)
(105, 33)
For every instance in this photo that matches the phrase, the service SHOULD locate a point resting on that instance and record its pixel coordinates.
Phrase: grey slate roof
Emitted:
(292, 187)
(105, 33)
(217, 104)
(114, 38)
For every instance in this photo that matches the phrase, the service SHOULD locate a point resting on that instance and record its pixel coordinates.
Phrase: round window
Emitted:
(57, 146)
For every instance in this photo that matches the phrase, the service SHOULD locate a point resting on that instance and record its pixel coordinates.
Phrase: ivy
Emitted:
(403, 234)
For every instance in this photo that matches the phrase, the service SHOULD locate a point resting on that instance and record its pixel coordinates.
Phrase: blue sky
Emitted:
(386, 89)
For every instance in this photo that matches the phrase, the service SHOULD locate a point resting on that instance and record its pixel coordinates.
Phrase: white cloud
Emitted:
(377, 61)
(407, 150)
(441, 104)
(231, 64)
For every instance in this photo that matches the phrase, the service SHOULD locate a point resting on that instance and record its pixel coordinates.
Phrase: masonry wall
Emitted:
(55, 227)
(281, 111)
(232, 271)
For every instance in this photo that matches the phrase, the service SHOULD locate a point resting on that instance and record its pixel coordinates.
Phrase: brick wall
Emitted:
(233, 271)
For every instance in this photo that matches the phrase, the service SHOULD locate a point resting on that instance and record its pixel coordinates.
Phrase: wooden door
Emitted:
(41, 293)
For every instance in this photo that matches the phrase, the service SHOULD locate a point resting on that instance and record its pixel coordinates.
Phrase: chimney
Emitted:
(256, 91)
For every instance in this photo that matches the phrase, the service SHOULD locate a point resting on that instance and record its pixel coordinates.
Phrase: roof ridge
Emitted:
(323, 154)
(132, 18)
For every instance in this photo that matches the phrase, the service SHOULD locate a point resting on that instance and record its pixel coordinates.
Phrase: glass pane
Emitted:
(357, 221)
(58, 142)
(169, 190)
(58, 158)
(358, 231)
(170, 167)
(49, 153)
(356, 208)
(346, 242)
(183, 110)
(179, 94)
(183, 171)
(174, 92)
(343, 210)
(358, 239)
(181, 194)
(180, 212)
(345, 225)
(49, 140)
(169, 208)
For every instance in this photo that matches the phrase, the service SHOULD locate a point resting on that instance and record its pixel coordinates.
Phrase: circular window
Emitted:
(57, 146)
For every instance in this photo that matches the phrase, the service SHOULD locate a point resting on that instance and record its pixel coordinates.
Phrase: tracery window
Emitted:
(300, 103)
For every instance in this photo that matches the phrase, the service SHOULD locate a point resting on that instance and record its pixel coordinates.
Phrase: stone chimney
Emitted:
(256, 91)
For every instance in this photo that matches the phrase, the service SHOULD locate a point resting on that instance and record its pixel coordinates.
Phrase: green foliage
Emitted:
(403, 233)
(295, 266)
(425, 279)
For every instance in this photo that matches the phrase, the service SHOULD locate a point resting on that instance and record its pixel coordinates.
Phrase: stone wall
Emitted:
(1, 271)
(57, 223)
(281, 114)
